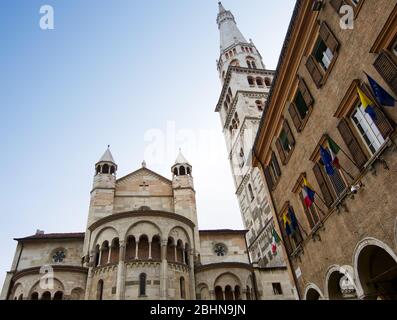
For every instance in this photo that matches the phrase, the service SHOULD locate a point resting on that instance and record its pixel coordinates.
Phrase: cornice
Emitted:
(226, 265)
(56, 268)
(141, 213)
(228, 76)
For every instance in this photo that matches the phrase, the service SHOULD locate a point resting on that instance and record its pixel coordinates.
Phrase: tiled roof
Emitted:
(53, 236)
(223, 231)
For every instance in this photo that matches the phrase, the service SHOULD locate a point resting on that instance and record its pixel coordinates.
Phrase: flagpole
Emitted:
(345, 171)
(319, 208)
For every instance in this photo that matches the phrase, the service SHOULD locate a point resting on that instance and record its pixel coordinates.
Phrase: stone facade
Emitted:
(141, 242)
(246, 83)
(344, 246)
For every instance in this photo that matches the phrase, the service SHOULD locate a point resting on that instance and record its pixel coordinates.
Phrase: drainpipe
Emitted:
(278, 224)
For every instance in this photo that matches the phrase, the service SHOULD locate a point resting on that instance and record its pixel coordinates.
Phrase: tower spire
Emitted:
(229, 32)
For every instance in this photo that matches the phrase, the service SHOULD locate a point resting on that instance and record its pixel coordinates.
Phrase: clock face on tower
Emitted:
(58, 256)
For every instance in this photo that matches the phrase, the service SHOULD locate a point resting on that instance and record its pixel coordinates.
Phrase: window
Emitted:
(277, 289)
(142, 284)
(300, 108)
(59, 256)
(285, 143)
(368, 130)
(268, 82)
(293, 240)
(259, 105)
(251, 81)
(220, 249)
(272, 172)
(182, 288)
(100, 290)
(319, 62)
(251, 193)
(259, 82)
(242, 158)
(311, 213)
(235, 63)
(323, 54)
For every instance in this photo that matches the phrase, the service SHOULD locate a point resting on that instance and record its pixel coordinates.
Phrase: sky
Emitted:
(139, 76)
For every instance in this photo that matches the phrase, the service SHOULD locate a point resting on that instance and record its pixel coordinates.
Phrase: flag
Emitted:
(334, 150)
(368, 104)
(294, 221)
(287, 224)
(308, 193)
(383, 97)
(276, 240)
(327, 160)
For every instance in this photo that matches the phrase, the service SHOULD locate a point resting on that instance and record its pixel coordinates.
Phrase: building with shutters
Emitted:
(344, 245)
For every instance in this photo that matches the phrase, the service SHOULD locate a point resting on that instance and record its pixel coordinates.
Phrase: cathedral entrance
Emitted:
(377, 272)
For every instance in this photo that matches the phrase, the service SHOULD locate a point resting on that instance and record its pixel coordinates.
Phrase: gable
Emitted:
(143, 182)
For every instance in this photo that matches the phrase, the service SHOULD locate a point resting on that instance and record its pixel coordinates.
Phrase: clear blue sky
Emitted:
(110, 73)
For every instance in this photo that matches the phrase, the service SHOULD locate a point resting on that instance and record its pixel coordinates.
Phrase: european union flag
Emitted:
(327, 160)
(383, 97)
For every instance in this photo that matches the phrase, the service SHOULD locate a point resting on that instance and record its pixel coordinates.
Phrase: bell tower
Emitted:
(184, 193)
(235, 50)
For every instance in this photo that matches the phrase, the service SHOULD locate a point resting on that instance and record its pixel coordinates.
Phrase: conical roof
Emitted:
(181, 159)
(107, 157)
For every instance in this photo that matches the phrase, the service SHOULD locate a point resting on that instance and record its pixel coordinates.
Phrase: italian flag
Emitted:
(276, 240)
(334, 150)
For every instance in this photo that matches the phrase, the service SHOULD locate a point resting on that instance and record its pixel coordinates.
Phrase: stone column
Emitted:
(212, 295)
(100, 256)
(192, 284)
(150, 250)
(136, 250)
(88, 284)
(109, 254)
(243, 294)
(120, 288)
(176, 254)
(163, 270)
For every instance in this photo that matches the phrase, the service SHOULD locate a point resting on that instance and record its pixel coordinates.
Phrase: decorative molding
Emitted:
(56, 268)
(140, 213)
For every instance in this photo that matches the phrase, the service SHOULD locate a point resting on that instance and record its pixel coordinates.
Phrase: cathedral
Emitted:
(142, 239)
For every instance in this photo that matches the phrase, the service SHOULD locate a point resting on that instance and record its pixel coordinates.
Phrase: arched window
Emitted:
(179, 251)
(20, 297)
(176, 171)
(187, 251)
(112, 170)
(114, 258)
(227, 55)
(58, 295)
(98, 169)
(156, 248)
(259, 82)
(131, 248)
(219, 293)
(34, 296)
(249, 64)
(235, 63)
(104, 253)
(143, 248)
(182, 171)
(259, 105)
(182, 288)
(268, 82)
(229, 293)
(46, 296)
(99, 292)
(105, 169)
(237, 293)
(171, 250)
(97, 255)
(251, 192)
(188, 171)
(251, 81)
(142, 284)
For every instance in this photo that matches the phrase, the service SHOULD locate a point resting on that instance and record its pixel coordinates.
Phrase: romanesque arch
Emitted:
(375, 265)
(313, 292)
(340, 283)
(225, 285)
(203, 292)
(43, 290)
